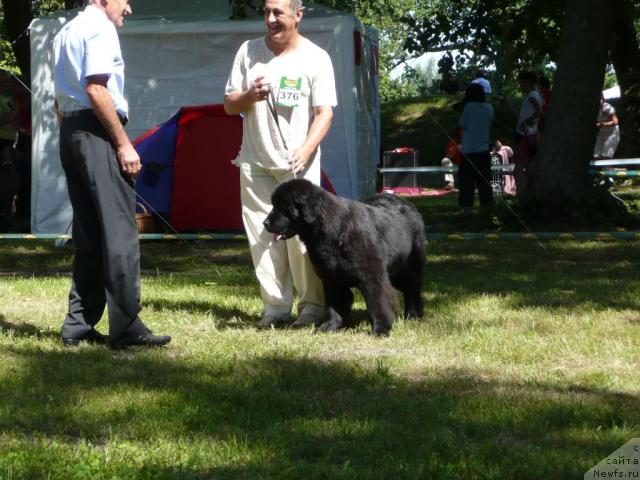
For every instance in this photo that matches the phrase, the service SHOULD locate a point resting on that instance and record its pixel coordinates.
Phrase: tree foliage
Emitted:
(500, 34)
(16, 17)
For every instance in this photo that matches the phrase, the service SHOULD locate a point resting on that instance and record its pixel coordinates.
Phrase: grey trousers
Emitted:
(106, 267)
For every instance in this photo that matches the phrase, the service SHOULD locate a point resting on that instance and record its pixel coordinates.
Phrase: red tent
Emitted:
(188, 159)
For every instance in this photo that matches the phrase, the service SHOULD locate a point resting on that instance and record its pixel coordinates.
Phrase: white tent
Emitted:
(613, 92)
(180, 54)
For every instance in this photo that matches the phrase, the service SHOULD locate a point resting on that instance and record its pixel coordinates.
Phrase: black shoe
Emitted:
(92, 336)
(141, 340)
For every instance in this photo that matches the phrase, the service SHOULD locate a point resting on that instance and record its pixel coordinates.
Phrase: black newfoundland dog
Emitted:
(373, 245)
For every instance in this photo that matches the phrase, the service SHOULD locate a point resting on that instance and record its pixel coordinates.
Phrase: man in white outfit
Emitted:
(284, 85)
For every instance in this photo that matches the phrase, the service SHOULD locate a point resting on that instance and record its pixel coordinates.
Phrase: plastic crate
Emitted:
(398, 158)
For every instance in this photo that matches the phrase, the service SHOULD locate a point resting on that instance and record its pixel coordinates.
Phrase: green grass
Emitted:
(525, 366)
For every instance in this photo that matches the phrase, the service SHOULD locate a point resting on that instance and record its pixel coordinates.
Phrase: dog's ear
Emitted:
(307, 207)
(309, 210)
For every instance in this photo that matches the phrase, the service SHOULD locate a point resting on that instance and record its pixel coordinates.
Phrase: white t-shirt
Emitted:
(88, 45)
(604, 115)
(526, 110)
(300, 80)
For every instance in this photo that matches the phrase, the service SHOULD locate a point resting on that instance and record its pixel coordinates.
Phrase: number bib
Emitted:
(290, 92)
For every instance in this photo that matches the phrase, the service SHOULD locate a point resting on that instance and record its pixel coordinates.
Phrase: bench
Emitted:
(618, 168)
(503, 169)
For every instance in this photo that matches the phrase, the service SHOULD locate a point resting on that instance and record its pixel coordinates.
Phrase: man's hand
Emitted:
(299, 160)
(129, 160)
(102, 104)
(260, 89)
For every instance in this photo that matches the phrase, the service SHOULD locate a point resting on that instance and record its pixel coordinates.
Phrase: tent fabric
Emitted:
(206, 191)
(181, 54)
(157, 149)
(189, 179)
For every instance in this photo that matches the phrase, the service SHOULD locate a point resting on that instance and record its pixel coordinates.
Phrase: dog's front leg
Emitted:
(338, 301)
(380, 298)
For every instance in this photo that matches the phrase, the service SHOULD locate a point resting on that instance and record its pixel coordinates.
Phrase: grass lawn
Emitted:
(525, 366)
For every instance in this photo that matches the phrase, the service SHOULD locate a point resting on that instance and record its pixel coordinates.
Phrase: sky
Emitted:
(422, 61)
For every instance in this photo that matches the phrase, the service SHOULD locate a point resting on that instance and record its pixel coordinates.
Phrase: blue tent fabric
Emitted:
(157, 150)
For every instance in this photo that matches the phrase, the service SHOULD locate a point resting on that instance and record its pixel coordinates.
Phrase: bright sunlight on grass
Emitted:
(525, 366)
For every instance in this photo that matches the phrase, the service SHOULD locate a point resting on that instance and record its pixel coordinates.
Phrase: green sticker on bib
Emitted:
(289, 92)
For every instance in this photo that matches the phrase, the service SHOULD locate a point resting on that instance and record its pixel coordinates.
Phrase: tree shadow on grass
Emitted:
(183, 257)
(25, 330)
(278, 416)
(225, 317)
(557, 276)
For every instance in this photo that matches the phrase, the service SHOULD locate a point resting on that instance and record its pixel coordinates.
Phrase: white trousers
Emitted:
(280, 265)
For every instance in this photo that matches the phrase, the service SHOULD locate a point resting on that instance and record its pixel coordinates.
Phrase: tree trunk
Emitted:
(625, 55)
(17, 17)
(505, 59)
(560, 178)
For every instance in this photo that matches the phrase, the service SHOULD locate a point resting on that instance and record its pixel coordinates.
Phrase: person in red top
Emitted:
(22, 100)
(544, 86)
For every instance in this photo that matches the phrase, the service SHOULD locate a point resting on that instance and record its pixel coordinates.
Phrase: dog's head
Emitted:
(296, 205)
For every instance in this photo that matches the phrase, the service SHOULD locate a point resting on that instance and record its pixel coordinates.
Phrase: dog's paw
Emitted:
(332, 325)
(380, 332)
(413, 314)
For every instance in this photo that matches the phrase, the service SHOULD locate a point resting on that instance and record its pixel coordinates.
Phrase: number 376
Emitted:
(289, 96)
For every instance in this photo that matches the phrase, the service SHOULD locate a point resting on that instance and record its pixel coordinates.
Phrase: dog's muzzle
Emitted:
(277, 235)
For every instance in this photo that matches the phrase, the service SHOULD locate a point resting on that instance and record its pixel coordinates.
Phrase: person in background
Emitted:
(100, 164)
(506, 154)
(8, 112)
(284, 85)
(526, 135)
(23, 154)
(481, 79)
(8, 134)
(475, 164)
(451, 158)
(608, 131)
(544, 86)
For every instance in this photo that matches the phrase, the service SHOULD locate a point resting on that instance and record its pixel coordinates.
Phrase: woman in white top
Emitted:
(527, 128)
(608, 132)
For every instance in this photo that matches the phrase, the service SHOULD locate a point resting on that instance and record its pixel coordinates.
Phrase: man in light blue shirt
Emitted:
(100, 164)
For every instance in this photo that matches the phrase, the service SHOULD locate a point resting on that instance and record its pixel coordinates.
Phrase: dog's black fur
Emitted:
(371, 245)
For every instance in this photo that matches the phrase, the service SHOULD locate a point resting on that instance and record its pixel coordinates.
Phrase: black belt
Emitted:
(90, 113)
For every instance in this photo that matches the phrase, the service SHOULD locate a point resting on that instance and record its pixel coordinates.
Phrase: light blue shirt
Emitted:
(476, 121)
(88, 45)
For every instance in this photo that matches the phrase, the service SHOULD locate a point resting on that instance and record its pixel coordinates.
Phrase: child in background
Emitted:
(506, 154)
(451, 158)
